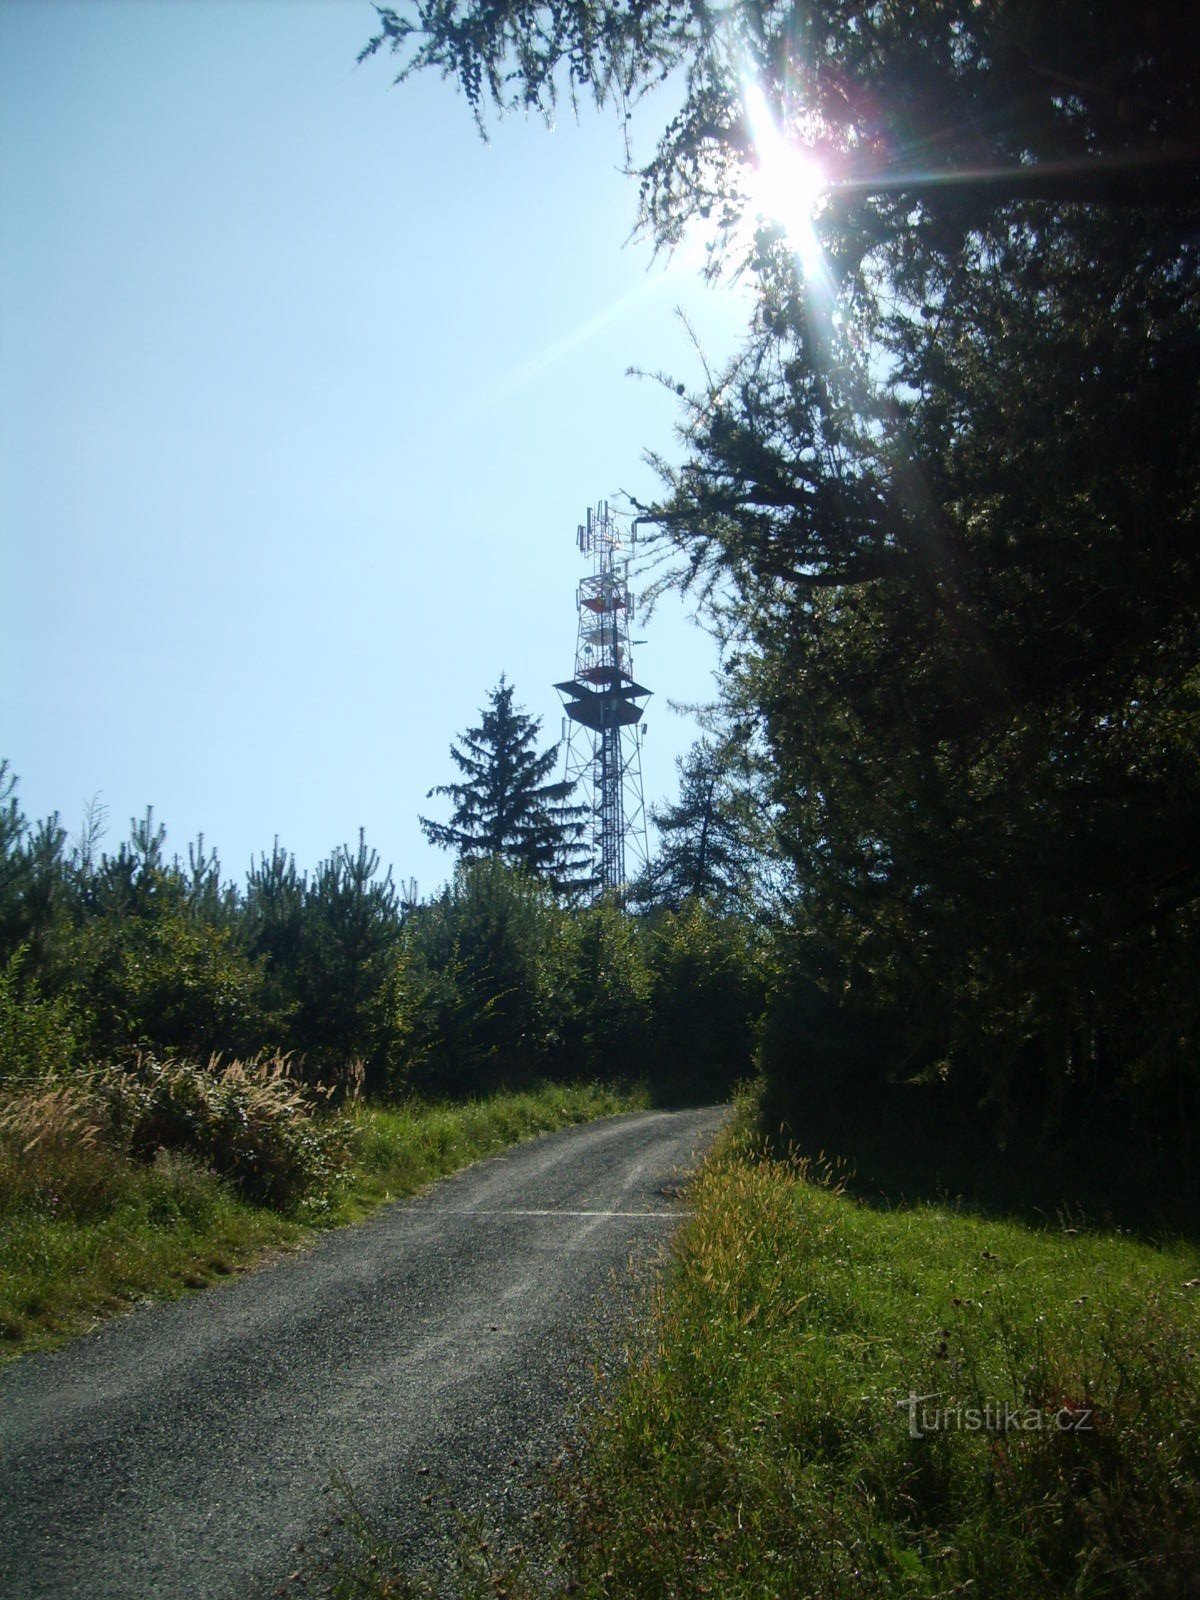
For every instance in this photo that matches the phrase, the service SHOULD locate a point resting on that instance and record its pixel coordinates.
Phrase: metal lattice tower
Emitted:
(604, 708)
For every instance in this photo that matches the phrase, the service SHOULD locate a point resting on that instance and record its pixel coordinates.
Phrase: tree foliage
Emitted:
(710, 973)
(958, 499)
(503, 807)
(707, 848)
(515, 57)
(150, 965)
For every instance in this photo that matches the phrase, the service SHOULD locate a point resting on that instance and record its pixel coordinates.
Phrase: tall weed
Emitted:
(251, 1122)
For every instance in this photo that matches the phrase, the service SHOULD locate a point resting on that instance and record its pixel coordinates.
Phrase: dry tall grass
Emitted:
(253, 1123)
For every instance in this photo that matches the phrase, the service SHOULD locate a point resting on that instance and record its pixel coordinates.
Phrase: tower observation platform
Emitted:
(604, 703)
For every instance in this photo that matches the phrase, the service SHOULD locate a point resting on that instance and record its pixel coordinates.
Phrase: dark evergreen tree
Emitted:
(503, 808)
(705, 851)
(349, 934)
(273, 924)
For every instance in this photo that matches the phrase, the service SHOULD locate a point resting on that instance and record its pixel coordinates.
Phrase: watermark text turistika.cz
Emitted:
(925, 1416)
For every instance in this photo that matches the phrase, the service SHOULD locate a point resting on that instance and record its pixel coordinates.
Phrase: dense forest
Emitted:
(512, 973)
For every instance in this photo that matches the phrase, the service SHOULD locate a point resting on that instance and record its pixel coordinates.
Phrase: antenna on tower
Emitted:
(604, 704)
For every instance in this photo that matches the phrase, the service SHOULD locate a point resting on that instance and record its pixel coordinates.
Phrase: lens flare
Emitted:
(785, 185)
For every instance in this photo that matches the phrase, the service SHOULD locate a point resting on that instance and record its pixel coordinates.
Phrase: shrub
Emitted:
(38, 1036)
(492, 966)
(829, 1049)
(609, 1028)
(253, 1123)
(56, 1151)
(708, 998)
(168, 982)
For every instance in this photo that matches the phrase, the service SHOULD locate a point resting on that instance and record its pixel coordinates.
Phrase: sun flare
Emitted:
(785, 185)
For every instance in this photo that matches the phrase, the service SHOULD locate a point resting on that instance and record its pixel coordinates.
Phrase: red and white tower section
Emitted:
(604, 705)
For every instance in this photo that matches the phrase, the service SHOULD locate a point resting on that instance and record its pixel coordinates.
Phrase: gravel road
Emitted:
(188, 1449)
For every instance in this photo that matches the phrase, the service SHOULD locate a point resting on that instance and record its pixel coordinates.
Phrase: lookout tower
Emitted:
(604, 706)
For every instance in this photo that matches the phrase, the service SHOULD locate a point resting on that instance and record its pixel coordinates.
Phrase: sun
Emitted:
(784, 185)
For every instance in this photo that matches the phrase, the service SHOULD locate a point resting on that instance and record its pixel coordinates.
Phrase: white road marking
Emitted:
(453, 1211)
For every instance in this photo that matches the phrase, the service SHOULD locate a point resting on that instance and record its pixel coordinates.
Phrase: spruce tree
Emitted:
(503, 808)
(705, 848)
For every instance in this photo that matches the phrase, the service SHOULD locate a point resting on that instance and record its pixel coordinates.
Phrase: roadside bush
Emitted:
(491, 964)
(252, 1123)
(828, 1049)
(57, 1151)
(708, 997)
(168, 982)
(38, 1036)
(347, 936)
(609, 1029)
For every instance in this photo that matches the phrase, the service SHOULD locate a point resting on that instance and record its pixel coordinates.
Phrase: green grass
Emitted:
(399, 1149)
(152, 1231)
(85, 1232)
(762, 1442)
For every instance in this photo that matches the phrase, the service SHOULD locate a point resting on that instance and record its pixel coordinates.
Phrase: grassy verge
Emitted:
(86, 1230)
(767, 1442)
(398, 1149)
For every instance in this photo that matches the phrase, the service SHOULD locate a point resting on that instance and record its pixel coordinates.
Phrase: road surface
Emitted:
(189, 1448)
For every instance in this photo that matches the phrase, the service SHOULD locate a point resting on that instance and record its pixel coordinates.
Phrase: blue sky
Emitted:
(303, 391)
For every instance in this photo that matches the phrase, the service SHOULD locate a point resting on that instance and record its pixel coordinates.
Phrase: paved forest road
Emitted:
(187, 1449)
